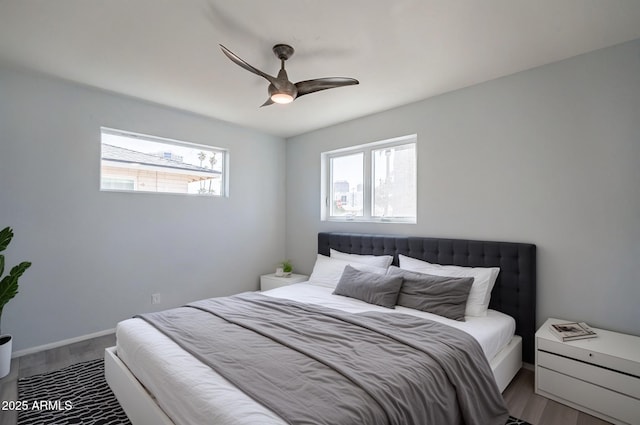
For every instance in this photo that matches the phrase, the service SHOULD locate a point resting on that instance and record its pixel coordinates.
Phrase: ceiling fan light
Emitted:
(282, 98)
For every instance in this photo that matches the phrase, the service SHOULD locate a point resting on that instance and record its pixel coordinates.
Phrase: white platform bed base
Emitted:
(507, 362)
(142, 409)
(137, 403)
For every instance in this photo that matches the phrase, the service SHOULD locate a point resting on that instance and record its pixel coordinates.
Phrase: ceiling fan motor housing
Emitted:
(287, 88)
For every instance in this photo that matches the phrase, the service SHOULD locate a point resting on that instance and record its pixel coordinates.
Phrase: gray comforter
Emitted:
(314, 365)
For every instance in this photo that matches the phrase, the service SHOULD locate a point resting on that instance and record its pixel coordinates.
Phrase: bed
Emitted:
(512, 312)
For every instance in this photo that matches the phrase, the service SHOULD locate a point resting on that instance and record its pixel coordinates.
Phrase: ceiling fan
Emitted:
(281, 90)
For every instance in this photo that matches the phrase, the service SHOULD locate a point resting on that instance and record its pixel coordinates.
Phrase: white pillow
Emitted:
(383, 261)
(327, 271)
(483, 281)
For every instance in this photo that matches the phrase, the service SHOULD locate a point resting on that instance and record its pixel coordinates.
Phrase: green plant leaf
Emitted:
(5, 237)
(1, 264)
(8, 290)
(287, 267)
(9, 284)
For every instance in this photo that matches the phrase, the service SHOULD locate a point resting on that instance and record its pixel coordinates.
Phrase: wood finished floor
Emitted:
(525, 404)
(519, 396)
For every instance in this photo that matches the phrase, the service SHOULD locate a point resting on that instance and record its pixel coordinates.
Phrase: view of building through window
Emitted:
(347, 175)
(140, 163)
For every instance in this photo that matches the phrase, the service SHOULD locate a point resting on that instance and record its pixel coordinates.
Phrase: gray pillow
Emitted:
(369, 287)
(441, 295)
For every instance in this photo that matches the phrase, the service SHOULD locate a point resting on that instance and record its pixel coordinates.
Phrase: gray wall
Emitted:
(549, 156)
(98, 256)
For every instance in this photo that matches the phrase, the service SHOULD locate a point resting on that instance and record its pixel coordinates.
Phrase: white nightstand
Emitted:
(271, 281)
(600, 376)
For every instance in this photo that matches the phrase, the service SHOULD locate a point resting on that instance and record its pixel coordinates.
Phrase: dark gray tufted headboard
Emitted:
(514, 292)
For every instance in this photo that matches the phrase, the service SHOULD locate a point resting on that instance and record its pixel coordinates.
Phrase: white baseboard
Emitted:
(57, 344)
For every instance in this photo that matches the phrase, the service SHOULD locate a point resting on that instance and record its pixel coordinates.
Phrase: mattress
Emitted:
(190, 392)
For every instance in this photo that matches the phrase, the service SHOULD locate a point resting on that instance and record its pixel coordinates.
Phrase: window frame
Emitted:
(223, 155)
(367, 149)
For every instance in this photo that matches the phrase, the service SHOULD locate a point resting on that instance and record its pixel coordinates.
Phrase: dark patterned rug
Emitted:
(79, 394)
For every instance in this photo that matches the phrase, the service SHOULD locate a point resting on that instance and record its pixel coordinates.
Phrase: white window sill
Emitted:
(393, 220)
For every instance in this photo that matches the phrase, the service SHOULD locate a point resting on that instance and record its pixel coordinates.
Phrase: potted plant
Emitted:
(8, 290)
(284, 269)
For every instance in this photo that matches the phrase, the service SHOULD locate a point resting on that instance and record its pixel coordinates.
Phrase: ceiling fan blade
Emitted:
(312, 86)
(268, 102)
(241, 63)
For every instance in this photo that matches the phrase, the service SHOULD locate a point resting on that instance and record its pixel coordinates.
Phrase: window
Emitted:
(139, 163)
(372, 182)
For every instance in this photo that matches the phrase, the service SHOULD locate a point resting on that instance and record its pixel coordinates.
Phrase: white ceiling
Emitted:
(166, 51)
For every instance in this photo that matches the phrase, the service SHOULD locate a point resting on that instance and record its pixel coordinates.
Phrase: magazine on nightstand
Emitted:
(572, 331)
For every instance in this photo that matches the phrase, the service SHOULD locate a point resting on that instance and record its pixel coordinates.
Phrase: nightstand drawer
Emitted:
(590, 373)
(592, 397)
(580, 350)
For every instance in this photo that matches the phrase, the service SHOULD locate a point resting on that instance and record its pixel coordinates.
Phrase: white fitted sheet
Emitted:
(190, 392)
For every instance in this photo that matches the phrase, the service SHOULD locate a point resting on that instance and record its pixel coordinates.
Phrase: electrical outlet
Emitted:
(155, 298)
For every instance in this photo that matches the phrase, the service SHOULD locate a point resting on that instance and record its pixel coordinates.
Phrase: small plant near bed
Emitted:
(287, 267)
